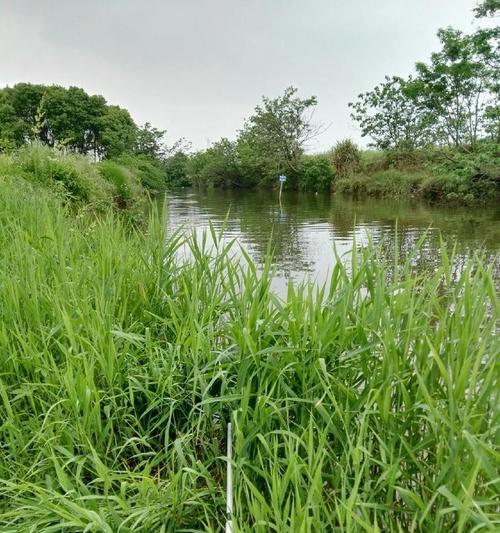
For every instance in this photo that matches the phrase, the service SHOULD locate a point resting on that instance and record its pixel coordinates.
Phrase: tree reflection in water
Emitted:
(304, 230)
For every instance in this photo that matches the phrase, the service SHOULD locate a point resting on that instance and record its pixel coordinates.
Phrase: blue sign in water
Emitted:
(282, 178)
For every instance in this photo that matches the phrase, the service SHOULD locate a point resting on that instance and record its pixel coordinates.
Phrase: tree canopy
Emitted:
(453, 99)
(487, 8)
(271, 142)
(70, 117)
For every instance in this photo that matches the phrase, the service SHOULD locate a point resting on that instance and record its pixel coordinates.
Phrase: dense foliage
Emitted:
(435, 174)
(453, 100)
(345, 157)
(85, 124)
(271, 142)
(487, 8)
(371, 405)
(77, 180)
(437, 132)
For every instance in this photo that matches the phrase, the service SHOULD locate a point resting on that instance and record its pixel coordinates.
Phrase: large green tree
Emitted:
(274, 137)
(117, 132)
(70, 117)
(216, 166)
(393, 116)
(458, 84)
(454, 99)
(18, 109)
(150, 141)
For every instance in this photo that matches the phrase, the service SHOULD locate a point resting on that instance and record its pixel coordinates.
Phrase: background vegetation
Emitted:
(70, 120)
(436, 133)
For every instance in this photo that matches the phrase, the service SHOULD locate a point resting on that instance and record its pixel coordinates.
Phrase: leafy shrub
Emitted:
(151, 173)
(435, 188)
(345, 158)
(391, 182)
(472, 175)
(71, 173)
(125, 182)
(315, 173)
(176, 170)
(215, 167)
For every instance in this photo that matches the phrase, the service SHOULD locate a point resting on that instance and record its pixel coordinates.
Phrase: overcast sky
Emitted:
(197, 68)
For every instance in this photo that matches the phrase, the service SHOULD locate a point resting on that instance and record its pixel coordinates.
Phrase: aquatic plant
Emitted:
(367, 405)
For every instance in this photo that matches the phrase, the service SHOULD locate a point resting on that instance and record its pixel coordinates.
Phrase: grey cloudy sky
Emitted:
(198, 67)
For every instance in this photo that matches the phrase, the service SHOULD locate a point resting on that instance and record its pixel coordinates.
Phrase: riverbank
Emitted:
(123, 183)
(436, 175)
(439, 175)
(121, 366)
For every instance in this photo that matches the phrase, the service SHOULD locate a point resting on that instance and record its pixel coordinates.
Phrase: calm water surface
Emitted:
(304, 230)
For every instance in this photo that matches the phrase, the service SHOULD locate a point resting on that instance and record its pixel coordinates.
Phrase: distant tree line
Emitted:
(272, 141)
(448, 111)
(69, 117)
(442, 125)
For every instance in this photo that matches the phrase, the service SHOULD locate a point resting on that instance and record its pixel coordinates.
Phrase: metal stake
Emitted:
(229, 482)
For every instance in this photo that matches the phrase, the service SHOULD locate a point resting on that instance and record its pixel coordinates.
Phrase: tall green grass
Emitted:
(76, 178)
(370, 405)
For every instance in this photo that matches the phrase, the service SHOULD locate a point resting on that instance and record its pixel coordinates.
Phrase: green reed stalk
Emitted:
(370, 404)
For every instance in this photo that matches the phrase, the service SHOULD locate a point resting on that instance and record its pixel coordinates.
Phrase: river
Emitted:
(305, 228)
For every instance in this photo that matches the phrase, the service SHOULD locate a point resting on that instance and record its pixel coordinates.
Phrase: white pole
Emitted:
(229, 481)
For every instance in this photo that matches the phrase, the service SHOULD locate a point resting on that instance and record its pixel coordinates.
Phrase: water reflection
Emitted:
(306, 227)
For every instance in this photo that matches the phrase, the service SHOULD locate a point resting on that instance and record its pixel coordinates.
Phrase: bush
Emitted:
(214, 167)
(472, 176)
(176, 170)
(315, 173)
(125, 182)
(385, 183)
(436, 188)
(151, 173)
(345, 158)
(373, 161)
(72, 174)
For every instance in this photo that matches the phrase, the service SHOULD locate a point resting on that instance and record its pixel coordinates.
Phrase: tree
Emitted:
(18, 105)
(315, 173)
(117, 132)
(393, 116)
(487, 8)
(69, 117)
(11, 127)
(459, 84)
(150, 141)
(278, 131)
(176, 170)
(215, 166)
(25, 99)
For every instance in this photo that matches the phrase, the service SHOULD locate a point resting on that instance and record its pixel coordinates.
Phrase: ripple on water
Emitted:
(306, 228)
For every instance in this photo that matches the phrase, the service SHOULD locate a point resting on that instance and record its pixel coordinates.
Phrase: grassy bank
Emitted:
(446, 175)
(123, 183)
(439, 175)
(368, 407)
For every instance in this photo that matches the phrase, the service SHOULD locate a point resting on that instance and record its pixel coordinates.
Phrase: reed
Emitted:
(370, 404)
